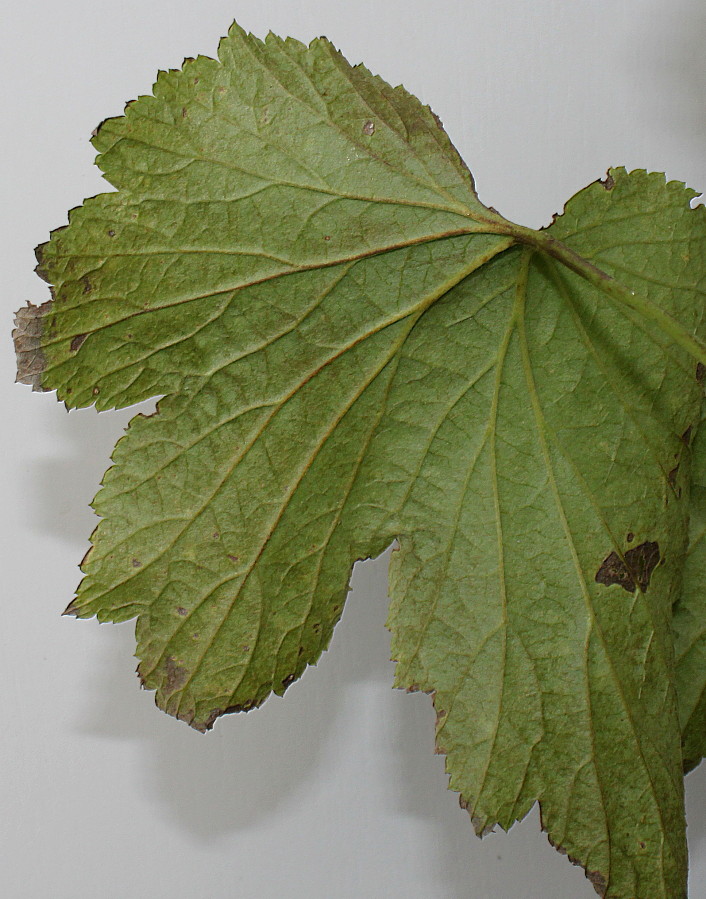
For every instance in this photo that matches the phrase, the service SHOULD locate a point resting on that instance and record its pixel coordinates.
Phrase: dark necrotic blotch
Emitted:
(633, 570)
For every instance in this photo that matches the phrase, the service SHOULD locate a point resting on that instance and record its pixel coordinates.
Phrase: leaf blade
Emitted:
(353, 349)
(690, 618)
(639, 647)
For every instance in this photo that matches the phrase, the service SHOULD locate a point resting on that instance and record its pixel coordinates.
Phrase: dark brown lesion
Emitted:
(77, 342)
(632, 570)
(27, 336)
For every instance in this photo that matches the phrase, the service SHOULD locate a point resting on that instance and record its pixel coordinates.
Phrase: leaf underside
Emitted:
(351, 349)
(689, 623)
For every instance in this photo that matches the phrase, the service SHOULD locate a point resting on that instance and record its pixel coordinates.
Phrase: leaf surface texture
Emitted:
(351, 349)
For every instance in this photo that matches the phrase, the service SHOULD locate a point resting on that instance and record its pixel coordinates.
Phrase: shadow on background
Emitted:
(250, 764)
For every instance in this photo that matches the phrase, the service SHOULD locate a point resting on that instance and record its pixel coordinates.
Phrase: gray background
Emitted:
(332, 792)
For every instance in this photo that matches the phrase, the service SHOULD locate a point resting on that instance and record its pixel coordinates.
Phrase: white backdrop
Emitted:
(332, 792)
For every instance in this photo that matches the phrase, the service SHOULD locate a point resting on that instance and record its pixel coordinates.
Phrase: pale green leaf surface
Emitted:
(352, 349)
(547, 683)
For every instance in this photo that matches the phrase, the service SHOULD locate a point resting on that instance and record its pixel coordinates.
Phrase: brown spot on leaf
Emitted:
(77, 341)
(96, 391)
(598, 880)
(369, 128)
(633, 570)
(87, 286)
(234, 558)
(243, 707)
(608, 182)
(481, 827)
(111, 233)
(228, 710)
(27, 336)
(700, 372)
(289, 679)
(176, 675)
(211, 720)
(136, 563)
(181, 610)
(85, 559)
(630, 537)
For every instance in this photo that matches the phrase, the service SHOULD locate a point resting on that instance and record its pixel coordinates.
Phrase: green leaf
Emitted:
(690, 618)
(352, 349)
(544, 493)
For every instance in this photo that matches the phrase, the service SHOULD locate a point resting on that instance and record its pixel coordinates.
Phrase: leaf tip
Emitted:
(203, 726)
(597, 879)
